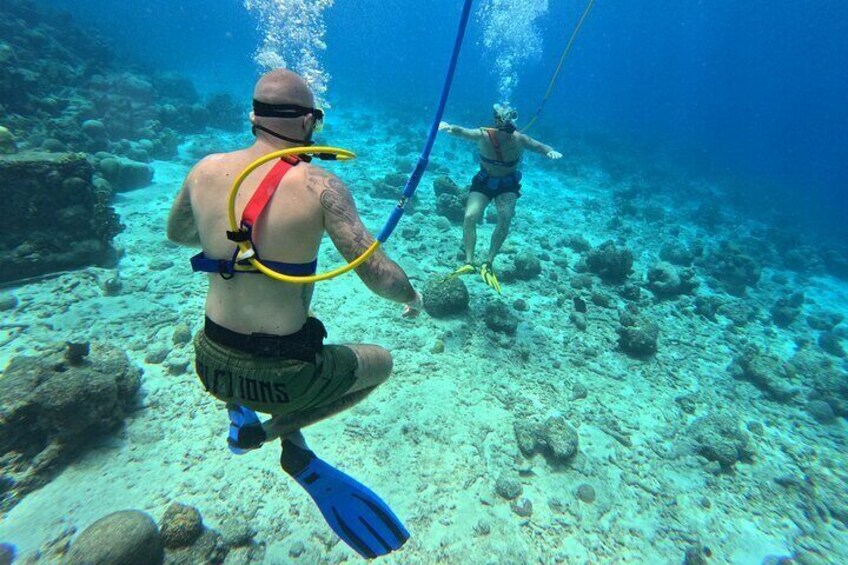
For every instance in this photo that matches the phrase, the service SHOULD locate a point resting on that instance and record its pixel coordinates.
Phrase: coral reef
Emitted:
(52, 410)
(102, 106)
(56, 218)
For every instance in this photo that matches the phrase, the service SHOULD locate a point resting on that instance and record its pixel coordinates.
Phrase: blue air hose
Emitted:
(424, 158)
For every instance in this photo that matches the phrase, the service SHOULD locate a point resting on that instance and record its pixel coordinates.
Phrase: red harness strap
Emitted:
(493, 137)
(260, 199)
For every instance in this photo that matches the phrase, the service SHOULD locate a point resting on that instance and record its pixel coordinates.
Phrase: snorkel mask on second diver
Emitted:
(505, 117)
(267, 110)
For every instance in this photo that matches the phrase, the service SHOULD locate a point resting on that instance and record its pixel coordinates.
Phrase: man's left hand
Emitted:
(554, 154)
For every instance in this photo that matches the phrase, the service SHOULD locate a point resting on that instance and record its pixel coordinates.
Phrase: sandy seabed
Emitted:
(434, 439)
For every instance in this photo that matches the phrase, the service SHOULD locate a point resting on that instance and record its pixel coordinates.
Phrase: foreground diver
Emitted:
(499, 179)
(260, 349)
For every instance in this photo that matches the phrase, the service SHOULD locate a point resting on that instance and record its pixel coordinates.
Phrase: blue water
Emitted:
(669, 114)
(753, 92)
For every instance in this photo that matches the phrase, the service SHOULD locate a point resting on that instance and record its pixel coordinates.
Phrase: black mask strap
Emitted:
(266, 110)
(305, 142)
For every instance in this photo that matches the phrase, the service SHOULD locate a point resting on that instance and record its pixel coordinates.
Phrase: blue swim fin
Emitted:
(357, 515)
(246, 433)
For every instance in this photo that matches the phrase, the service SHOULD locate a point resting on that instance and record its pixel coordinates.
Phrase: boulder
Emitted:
(181, 526)
(445, 297)
(527, 266)
(451, 206)
(54, 406)
(128, 537)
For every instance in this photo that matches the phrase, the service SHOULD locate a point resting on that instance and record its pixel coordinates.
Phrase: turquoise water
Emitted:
(677, 395)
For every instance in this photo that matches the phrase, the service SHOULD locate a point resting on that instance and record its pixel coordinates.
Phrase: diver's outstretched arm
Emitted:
(464, 133)
(539, 147)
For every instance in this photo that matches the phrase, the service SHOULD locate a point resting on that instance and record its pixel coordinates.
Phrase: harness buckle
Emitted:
(249, 253)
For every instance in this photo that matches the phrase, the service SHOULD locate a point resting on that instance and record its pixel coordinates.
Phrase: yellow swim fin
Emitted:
(489, 277)
(463, 270)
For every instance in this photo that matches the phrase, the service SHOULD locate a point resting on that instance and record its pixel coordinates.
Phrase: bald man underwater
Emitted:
(261, 350)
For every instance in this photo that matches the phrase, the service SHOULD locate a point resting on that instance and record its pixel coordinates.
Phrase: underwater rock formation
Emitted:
(508, 486)
(55, 217)
(123, 173)
(450, 200)
(666, 281)
(827, 382)
(637, 338)
(554, 438)
(677, 253)
(451, 207)
(128, 537)
(445, 297)
(731, 269)
(769, 374)
(181, 526)
(527, 266)
(102, 106)
(8, 144)
(52, 409)
(131, 537)
(719, 438)
(444, 185)
(787, 309)
(390, 187)
(613, 264)
(830, 342)
(836, 263)
(500, 318)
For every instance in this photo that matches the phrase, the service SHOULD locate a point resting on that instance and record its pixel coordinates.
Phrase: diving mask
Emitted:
(266, 110)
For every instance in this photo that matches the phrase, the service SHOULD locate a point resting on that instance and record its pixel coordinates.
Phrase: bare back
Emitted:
(289, 230)
(511, 151)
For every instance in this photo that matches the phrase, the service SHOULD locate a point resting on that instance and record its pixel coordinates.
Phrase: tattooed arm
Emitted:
(341, 220)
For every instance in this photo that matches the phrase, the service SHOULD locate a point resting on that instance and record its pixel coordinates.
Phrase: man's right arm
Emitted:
(341, 220)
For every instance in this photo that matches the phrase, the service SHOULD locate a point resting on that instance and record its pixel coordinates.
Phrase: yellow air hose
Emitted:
(246, 249)
(562, 58)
